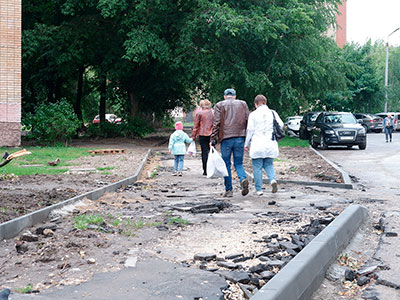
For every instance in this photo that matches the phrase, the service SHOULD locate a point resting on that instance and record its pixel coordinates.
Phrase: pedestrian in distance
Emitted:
(388, 125)
(229, 128)
(203, 128)
(177, 147)
(262, 147)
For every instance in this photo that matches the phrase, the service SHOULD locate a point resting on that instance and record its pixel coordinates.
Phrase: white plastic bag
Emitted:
(191, 151)
(215, 165)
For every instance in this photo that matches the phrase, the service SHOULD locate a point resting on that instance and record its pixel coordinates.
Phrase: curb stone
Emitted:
(13, 227)
(345, 175)
(346, 178)
(316, 183)
(304, 273)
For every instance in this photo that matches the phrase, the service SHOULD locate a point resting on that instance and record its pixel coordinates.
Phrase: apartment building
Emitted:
(10, 72)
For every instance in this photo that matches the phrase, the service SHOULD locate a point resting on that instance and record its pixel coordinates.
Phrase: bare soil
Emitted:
(25, 194)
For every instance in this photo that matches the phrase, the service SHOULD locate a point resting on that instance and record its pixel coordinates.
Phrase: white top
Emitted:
(259, 133)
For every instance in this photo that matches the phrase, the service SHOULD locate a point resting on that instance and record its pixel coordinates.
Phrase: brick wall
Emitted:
(341, 20)
(10, 72)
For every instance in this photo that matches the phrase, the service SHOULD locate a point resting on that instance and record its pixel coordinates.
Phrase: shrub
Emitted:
(136, 128)
(104, 130)
(133, 128)
(53, 122)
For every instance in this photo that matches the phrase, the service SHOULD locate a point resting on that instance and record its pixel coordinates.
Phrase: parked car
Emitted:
(110, 118)
(338, 129)
(306, 124)
(293, 124)
(395, 115)
(370, 122)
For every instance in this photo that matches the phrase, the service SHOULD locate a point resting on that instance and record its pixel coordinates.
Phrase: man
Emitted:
(229, 128)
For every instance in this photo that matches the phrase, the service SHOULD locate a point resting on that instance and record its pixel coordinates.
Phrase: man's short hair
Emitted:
(260, 99)
(230, 92)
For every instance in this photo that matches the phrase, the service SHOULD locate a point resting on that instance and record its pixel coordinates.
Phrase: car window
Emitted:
(339, 119)
(312, 117)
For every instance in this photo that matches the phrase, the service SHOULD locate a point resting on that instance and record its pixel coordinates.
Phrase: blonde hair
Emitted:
(205, 103)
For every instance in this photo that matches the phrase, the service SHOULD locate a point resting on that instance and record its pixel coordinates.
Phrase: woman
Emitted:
(388, 125)
(263, 148)
(202, 128)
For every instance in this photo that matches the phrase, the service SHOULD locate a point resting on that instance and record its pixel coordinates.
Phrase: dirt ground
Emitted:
(25, 194)
(58, 253)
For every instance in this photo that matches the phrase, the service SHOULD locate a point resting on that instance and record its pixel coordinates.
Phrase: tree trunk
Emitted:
(134, 105)
(77, 106)
(57, 91)
(50, 91)
(103, 88)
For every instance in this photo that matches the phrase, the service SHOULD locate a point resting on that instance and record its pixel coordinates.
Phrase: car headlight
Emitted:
(361, 131)
(329, 132)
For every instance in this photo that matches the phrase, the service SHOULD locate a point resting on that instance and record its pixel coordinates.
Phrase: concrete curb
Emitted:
(304, 273)
(316, 183)
(345, 175)
(13, 227)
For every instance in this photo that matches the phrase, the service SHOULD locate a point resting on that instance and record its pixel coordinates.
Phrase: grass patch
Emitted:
(155, 171)
(82, 221)
(41, 156)
(25, 290)
(104, 168)
(177, 220)
(293, 142)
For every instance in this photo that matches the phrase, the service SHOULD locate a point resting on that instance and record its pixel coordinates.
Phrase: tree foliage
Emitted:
(142, 58)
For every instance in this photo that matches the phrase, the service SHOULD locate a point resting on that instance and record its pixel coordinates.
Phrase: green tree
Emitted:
(146, 57)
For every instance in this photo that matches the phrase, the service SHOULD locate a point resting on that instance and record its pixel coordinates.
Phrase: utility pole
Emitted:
(387, 68)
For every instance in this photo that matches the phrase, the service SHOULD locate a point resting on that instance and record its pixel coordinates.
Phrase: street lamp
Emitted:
(386, 67)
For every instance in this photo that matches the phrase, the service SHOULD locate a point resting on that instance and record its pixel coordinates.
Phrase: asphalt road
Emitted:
(376, 174)
(376, 167)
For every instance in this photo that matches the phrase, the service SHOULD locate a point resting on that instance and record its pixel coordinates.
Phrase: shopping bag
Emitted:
(191, 151)
(215, 165)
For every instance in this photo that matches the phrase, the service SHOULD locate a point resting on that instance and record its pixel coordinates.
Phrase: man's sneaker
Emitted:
(259, 193)
(179, 173)
(228, 194)
(174, 173)
(274, 185)
(244, 186)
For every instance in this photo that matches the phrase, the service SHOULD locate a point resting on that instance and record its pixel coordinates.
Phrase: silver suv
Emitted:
(396, 117)
(370, 122)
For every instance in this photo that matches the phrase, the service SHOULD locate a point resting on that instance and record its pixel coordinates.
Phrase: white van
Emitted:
(395, 115)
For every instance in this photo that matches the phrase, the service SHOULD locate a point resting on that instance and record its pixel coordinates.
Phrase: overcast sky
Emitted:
(374, 19)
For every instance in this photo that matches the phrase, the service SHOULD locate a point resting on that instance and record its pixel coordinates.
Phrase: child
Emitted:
(177, 147)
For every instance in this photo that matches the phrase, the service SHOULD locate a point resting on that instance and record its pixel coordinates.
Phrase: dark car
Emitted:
(338, 129)
(306, 124)
(370, 122)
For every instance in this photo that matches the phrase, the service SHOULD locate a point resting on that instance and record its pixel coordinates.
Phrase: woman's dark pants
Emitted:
(205, 148)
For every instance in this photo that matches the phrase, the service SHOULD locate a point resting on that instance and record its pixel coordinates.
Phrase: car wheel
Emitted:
(322, 144)
(365, 127)
(301, 135)
(362, 146)
(313, 143)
